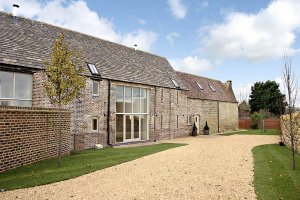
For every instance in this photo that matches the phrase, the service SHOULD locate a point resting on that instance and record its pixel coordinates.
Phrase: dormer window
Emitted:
(212, 88)
(93, 69)
(201, 88)
(175, 83)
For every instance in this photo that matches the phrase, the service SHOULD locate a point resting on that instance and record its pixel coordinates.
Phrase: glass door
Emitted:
(132, 128)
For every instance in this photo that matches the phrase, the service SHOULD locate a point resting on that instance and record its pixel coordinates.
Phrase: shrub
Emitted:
(206, 127)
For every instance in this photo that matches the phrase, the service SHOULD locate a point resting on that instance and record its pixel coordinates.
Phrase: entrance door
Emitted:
(132, 128)
(197, 122)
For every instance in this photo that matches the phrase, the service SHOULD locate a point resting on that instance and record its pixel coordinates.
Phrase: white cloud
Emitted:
(191, 64)
(204, 4)
(141, 38)
(254, 36)
(76, 15)
(178, 9)
(280, 81)
(243, 91)
(142, 21)
(171, 37)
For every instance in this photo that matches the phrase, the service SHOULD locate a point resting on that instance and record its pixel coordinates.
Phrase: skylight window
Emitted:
(201, 88)
(93, 69)
(213, 89)
(175, 83)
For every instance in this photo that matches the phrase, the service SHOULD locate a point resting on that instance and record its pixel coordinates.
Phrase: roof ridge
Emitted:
(98, 38)
(198, 76)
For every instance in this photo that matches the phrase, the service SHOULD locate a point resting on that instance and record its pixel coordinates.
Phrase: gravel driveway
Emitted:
(210, 167)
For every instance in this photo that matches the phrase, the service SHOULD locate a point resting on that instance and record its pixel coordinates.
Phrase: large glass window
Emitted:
(15, 89)
(131, 114)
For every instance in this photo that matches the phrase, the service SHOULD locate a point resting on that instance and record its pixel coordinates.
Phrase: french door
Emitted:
(132, 128)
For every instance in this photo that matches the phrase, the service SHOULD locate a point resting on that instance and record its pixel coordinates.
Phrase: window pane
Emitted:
(136, 100)
(95, 88)
(119, 128)
(95, 124)
(136, 125)
(22, 103)
(143, 101)
(6, 84)
(120, 99)
(128, 126)
(22, 86)
(143, 127)
(128, 104)
(6, 103)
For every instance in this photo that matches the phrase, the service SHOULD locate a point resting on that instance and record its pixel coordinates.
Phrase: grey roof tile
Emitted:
(194, 92)
(24, 42)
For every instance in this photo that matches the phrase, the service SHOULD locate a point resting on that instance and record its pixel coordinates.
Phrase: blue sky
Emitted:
(236, 40)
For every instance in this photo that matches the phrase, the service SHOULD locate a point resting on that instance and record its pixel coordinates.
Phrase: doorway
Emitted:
(197, 123)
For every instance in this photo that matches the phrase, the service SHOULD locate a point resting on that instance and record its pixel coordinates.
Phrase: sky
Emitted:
(239, 40)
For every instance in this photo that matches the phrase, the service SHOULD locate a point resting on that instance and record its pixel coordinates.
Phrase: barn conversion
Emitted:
(130, 95)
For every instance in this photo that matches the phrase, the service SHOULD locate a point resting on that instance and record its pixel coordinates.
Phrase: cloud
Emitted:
(243, 91)
(204, 4)
(171, 36)
(76, 15)
(191, 64)
(254, 36)
(143, 39)
(178, 10)
(142, 21)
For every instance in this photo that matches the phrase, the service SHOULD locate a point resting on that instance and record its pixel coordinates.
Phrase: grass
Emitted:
(254, 132)
(273, 174)
(80, 163)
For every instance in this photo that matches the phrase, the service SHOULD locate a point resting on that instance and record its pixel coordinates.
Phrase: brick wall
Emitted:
(28, 135)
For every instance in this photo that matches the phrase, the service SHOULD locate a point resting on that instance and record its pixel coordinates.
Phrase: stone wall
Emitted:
(228, 116)
(220, 116)
(285, 134)
(28, 135)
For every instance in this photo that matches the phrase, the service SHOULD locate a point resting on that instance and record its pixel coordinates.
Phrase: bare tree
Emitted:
(291, 119)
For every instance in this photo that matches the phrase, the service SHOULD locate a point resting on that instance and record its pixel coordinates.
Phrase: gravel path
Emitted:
(210, 167)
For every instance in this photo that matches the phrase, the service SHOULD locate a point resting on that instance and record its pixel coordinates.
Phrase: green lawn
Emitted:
(254, 132)
(82, 162)
(273, 174)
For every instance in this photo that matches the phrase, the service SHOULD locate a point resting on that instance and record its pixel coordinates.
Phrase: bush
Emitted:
(206, 127)
(254, 126)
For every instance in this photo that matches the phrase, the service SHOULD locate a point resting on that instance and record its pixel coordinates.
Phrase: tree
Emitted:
(291, 120)
(267, 96)
(64, 79)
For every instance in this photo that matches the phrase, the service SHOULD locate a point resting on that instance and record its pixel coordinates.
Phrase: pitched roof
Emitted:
(27, 43)
(211, 89)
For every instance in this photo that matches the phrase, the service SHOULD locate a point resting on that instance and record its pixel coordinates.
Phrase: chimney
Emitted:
(228, 85)
(15, 10)
(135, 46)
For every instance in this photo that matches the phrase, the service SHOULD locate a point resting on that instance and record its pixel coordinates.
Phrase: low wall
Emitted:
(28, 135)
(269, 124)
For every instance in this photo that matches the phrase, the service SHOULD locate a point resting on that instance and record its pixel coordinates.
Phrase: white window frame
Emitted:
(14, 89)
(92, 122)
(201, 88)
(213, 89)
(95, 94)
(189, 119)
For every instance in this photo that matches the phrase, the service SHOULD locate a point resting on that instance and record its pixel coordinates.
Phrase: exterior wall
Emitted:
(228, 116)
(82, 112)
(170, 106)
(220, 116)
(207, 110)
(28, 135)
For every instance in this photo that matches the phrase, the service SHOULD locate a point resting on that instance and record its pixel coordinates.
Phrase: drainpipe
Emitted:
(154, 124)
(218, 117)
(108, 113)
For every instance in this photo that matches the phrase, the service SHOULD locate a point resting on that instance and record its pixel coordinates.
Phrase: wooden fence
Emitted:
(269, 124)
